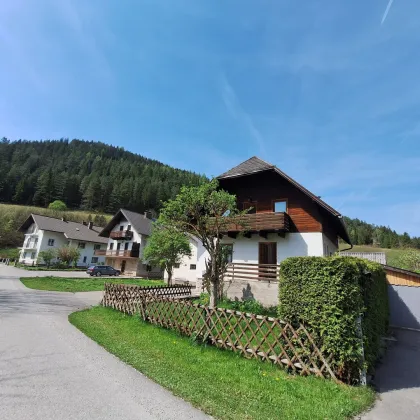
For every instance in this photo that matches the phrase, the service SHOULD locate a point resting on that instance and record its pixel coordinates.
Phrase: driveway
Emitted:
(50, 370)
(398, 380)
(12, 271)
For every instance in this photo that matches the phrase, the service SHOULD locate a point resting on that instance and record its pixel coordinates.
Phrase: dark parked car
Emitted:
(102, 270)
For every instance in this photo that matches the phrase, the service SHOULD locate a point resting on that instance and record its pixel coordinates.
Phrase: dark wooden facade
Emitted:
(262, 189)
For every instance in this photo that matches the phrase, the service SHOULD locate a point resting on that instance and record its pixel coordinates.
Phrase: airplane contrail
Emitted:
(387, 11)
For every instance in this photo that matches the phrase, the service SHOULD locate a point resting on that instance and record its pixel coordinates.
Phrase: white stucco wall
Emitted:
(329, 247)
(59, 241)
(198, 258)
(245, 250)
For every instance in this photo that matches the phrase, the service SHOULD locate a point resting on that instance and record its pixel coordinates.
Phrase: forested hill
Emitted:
(86, 175)
(362, 233)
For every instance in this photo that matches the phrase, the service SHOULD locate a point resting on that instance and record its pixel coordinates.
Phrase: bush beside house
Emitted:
(328, 295)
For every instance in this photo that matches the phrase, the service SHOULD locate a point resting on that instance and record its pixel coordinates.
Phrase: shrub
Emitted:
(57, 205)
(328, 295)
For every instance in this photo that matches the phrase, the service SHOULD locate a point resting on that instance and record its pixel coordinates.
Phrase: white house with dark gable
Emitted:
(127, 234)
(284, 220)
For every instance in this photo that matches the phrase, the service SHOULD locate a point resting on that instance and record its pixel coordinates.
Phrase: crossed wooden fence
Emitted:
(126, 298)
(253, 336)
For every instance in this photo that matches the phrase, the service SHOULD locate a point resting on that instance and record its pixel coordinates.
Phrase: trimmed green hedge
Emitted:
(327, 295)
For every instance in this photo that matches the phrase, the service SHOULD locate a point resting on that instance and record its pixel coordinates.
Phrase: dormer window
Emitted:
(280, 206)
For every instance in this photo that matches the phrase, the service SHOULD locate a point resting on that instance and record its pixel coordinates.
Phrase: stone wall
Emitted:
(262, 291)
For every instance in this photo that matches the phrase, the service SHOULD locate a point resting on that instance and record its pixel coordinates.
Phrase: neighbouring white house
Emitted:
(42, 233)
(284, 220)
(126, 235)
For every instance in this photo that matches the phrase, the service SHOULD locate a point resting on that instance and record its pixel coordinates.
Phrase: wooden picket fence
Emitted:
(253, 336)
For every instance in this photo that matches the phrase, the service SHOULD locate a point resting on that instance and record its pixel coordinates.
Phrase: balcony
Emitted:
(256, 272)
(121, 234)
(122, 253)
(261, 223)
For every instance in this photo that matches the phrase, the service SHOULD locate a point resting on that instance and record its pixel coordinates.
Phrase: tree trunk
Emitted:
(169, 277)
(213, 294)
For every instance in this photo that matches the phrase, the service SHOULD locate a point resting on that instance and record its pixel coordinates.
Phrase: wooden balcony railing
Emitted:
(117, 253)
(245, 271)
(261, 222)
(121, 234)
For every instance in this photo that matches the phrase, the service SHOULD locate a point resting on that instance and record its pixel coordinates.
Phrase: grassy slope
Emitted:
(391, 254)
(221, 383)
(62, 284)
(12, 216)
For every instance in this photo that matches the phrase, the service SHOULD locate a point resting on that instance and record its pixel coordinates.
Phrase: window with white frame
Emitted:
(36, 242)
(96, 246)
(33, 255)
(81, 245)
(51, 242)
(94, 260)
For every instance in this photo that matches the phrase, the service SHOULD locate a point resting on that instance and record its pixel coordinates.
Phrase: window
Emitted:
(94, 260)
(121, 228)
(84, 259)
(97, 246)
(81, 245)
(33, 255)
(36, 241)
(228, 249)
(126, 246)
(280, 206)
(193, 266)
(129, 227)
(177, 265)
(51, 242)
(111, 246)
(24, 255)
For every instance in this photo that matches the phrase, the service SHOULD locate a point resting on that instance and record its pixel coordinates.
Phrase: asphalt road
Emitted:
(50, 370)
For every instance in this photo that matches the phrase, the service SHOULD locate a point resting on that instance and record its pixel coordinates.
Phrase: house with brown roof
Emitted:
(42, 233)
(284, 220)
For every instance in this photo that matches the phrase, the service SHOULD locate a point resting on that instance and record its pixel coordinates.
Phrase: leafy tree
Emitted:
(68, 254)
(47, 256)
(57, 205)
(204, 212)
(165, 248)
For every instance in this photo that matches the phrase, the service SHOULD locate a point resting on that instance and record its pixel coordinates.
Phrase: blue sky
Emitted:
(327, 90)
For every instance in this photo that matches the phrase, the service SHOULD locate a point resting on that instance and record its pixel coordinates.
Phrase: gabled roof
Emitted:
(255, 165)
(71, 230)
(250, 166)
(139, 222)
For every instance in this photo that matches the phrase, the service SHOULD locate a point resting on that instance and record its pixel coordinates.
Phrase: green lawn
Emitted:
(87, 284)
(220, 383)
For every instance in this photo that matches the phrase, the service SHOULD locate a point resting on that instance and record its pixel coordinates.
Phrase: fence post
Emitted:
(363, 380)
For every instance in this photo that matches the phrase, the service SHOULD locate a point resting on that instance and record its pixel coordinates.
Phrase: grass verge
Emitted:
(64, 284)
(220, 383)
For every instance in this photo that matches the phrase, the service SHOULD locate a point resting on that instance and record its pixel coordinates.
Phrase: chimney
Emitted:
(84, 223)
(147, 214)
(90, 225)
